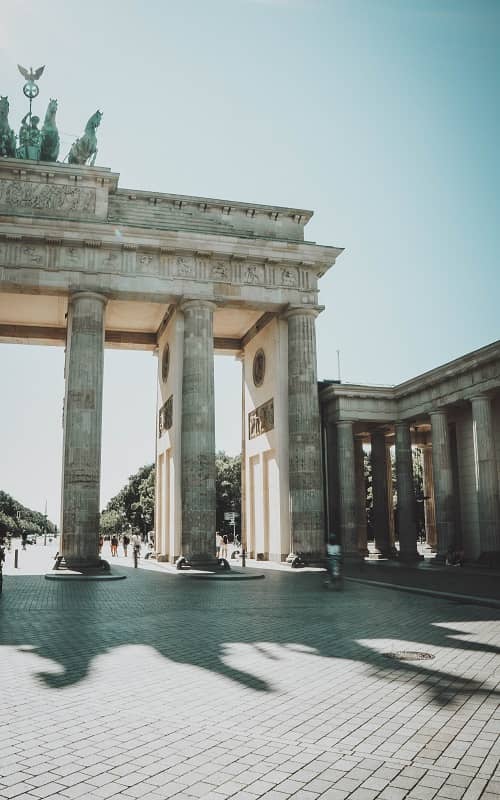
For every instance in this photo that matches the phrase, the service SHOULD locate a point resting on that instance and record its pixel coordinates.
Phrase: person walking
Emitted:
(114, 545)
(218, 544)
(223, 548)
(125, 543)
(136, 544)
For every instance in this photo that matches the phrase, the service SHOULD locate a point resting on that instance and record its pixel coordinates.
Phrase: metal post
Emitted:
(243, 557)
(135, 557)
(16, 556)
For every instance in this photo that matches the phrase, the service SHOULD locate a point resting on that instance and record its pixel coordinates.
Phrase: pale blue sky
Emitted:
(380, 115)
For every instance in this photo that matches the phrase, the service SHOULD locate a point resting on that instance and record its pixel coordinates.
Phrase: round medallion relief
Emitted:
(259, 367)
(165, 364)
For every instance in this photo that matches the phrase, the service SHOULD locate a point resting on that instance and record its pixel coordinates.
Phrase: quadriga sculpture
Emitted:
(7, 135)
(86, 146)
(49, 150)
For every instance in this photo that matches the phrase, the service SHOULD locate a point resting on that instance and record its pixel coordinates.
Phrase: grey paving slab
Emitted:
(161, 687)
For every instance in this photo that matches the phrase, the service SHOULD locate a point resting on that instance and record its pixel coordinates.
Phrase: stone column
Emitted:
(380, 493)
(361, 523)
(443, 483)
(406, 494)
(82, 431)
(429, 505)
(347, 490)
(486, 476)
(332, 477)
(306, 488)
(390, 501)
(198, 433)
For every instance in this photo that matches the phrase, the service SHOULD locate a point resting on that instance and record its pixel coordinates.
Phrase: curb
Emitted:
(457, 598)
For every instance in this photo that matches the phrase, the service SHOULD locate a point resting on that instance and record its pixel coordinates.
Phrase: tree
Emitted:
(133, 505)
(227, 489)
(15, 517)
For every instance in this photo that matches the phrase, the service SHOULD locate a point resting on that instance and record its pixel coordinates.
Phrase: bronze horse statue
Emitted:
(86, 146)
(7, 135)
(49, 150)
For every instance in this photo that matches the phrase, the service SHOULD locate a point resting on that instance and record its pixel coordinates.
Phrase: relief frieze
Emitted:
(165, 416)
(253, 274)
(31, 196)
(221, 271)
(289, 277)
(261, 419)
(184, 267)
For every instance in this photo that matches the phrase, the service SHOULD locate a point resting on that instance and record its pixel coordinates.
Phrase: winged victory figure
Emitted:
(32, 75)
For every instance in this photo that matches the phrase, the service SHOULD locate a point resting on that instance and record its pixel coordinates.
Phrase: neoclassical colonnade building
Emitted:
(452, 414)
(87, 265)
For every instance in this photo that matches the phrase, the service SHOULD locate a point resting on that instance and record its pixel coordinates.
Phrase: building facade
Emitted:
(452, 414)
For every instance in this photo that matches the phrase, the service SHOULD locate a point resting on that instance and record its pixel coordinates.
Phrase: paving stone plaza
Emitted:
(162, 685)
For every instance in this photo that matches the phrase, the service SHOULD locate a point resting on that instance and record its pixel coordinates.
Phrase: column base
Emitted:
(489, 558)
(410, 558)
(207, 563)
(90, 566)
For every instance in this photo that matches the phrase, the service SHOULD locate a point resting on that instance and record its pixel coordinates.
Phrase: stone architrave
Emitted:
(429, 504)
(198, 433)
(486, 476)
(380, 493)
(361, 521)
(305, 477)
(82, 431)
(443, 483)
(407, 525)
(347, 490)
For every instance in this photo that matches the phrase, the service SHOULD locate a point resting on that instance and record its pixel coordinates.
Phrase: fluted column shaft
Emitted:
(332, 473)
(347, 489)
(406, 493)
(429, 506)
(444, 500)
(305, 475)
(359, 461)
(198, 433)
(486, 475)
(380, 493)
(82, 430)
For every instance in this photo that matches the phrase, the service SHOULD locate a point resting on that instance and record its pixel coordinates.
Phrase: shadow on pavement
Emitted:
(192, 622)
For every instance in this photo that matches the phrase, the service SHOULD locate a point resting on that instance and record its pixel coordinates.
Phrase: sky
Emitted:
(382, 116)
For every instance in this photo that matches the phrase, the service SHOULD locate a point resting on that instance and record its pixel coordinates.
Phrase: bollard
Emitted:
(135, 557)
(243, 557)
(16, 556)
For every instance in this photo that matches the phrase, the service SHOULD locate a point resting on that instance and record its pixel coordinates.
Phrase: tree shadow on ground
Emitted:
(192, 622)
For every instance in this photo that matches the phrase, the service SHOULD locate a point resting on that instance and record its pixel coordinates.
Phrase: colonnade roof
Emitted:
(450, 384)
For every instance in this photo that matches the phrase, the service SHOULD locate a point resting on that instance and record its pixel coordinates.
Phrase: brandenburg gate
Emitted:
(86, 264)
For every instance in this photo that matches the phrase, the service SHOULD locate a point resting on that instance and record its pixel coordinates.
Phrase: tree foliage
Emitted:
(228, 489)
(133, 505)
(15, 517)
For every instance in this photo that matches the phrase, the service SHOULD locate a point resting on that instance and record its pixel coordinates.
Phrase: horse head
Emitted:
(51, 110)
(94, 121)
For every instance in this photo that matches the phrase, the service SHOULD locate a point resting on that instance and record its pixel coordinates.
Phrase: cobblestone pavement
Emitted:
(164, 686)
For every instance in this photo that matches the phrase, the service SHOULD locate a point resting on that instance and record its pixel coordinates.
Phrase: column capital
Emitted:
(196, 302)
(483, 397)
(402, 424)
(302, 311)
(346, 423)
(87, 296)
(438, 412)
